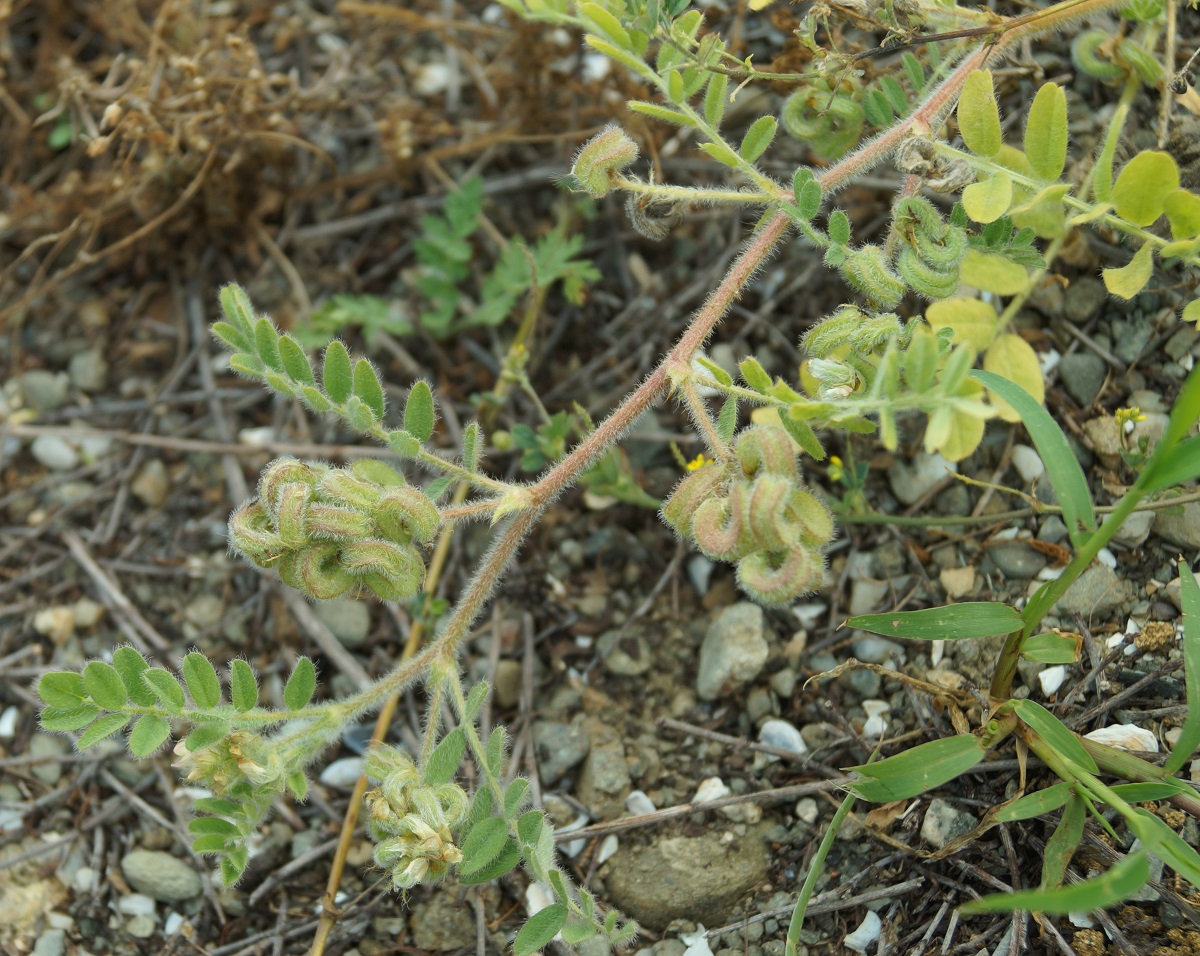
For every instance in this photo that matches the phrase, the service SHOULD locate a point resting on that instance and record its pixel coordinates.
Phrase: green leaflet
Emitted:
(301, 685)
(918, 769)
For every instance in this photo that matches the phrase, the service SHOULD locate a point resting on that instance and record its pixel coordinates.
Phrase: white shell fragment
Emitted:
(696, 943)
(1052, 678)
(711, 788)
(537, 897)
(876, 721)
(1126, 737)
(638, 802)
(783, 736)
(608, 849)
(867, 933)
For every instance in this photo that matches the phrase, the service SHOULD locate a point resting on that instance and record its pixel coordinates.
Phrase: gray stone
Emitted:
(1052, 530)
(508, 683)
(141, 927)
(626, 655)
(1097, 592)
(944, 823)
(1179, 529)
(52, 942)
(87, 370)
(1082, 375)
(442, 924)
(1016, 559)
(674, 877)
(54, 453)
(44, 391)
(51, 747)
(604, 780)
(911, 481)
(733, 652)
(1084, 298)
(783, 682)
(347, 619)
(1181, 341)
(867, 595)
(151, 484)
(204, 611)
(160, 876)
(1028, 463)
(1134, 530)
(759, 704)
(1131, 337)
(877, 650)
(558, 747)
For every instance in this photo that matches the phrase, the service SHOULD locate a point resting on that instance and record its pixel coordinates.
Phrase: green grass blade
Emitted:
(918, 769)
(1063, 469)
(1189, 735)
(815, 869)
(1055, 733)
(1118, 883)
(953, 622)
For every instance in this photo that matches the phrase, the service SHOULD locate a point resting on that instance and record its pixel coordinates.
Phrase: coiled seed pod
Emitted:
(924, 279)
(766, 448)
(402, 513)
(689, 494)
(776, 578)
(1085, 53)
(601, 160)
(832, 331)
(316, 571)
(718, 525)
(814, 519)
(867, 270)
(253, 534)
(291, 513)
(767, 521)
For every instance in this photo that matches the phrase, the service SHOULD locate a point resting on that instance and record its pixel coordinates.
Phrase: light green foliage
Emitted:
(979, 116)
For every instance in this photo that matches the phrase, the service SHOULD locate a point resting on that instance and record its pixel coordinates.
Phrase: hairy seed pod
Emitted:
(335, 523)
(428, 808)
(253, 534)
(377, 472)
(284, 471)
(944, 252)
(650, 219)
(404, 513)
(1085, 53)
(1146, 65)
(766, 448)
(780, 577)
(917, 214)
(830, 126)
(455, 802)
(766, 514)
(867, 270)
(383, 760)
(316, 572)
(717, 526)
(833, 331)
(923, 278)
(689, 494)
(291, 513)
(876, 332)
(602, 159)
(812, 517)
(392, 571)
(345, 488)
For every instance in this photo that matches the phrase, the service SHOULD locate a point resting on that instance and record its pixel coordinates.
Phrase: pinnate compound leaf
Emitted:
(979, 116)
(301, 685)
(105, 726)
(446, 757)
(1034, 804)
(166, 688)
(1066, 477)
(67, 718)
(418, 412)
(1117, 883)
(202, 680)
(62, 689)
(131, 665)
(918, 769)
(1046, 132)
(540, 929)
(1055, 733)
(1141, 189)
(336, 375)
(237, 309)
(295, 362)
(989, 199)
(758, 138)
(972, 619)
(105, 685)
(367, 387)
(1011, 357)
(483, 844)
(1189, 735)
(243, 686)
(148, 735)
(1128, 280)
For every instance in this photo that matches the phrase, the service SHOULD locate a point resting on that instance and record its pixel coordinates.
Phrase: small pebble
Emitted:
(1028, 463)
(876, 722)
(54, 453)
(52, 942)
(1052, 679)
(608, 848)
(342, 774)
(783, 736)
(8, 723)
(638, 803)
(700, 570)
(151, 484)
(1125, 737)
(711, 788)
(136, 904)
(160, 876)
(806, 810)
(866, 934)
(141, 927)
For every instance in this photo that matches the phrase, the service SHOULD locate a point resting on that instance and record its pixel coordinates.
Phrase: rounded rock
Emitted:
(734, 651)
(160, 876)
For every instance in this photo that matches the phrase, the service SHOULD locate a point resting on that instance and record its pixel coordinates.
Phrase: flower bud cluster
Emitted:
(411, 822)
(931, 256)
(238, 756)
(754, 511)
(332, 529)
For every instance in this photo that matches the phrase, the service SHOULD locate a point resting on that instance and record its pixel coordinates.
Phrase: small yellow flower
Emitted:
(698, 462)
(1128, 417)
(837, 470)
